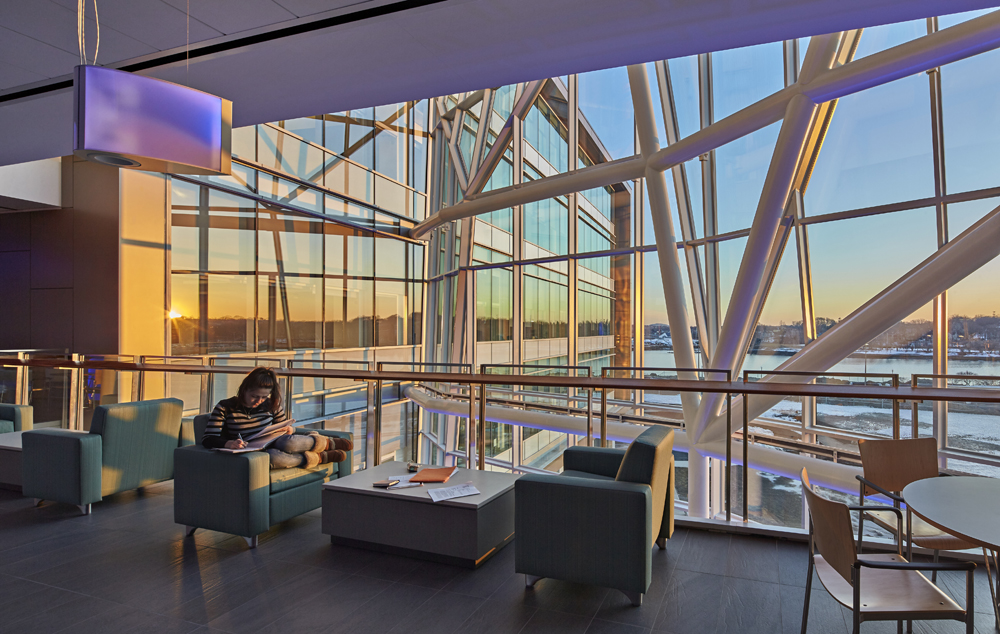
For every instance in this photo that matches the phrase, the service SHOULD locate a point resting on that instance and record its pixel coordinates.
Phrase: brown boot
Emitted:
(312, 459)
(333, 455)
(320, 442)
(343, 444)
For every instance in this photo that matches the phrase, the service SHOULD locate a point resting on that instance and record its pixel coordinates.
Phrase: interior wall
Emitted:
(59, 268)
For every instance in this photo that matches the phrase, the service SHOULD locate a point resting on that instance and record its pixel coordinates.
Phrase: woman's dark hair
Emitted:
(262, 378)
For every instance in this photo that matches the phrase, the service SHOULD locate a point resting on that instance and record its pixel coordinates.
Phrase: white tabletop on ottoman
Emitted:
(462, 531)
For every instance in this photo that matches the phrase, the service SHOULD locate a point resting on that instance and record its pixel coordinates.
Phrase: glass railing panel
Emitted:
(49, 392)
(190, 388)
(404, 423)
(106, 387)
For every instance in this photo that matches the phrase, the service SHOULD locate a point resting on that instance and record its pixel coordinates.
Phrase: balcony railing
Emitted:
(531, 413)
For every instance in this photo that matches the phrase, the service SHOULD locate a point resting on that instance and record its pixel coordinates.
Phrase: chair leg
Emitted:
(251, 541)
(634, 597)
(37, 501)
(661, 543)
(805, 604)
(937, 554)
(189, 530)
(530, 581)
(861, 530)
(84, 508)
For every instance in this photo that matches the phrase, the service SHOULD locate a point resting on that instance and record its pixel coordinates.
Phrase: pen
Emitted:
(240, 436)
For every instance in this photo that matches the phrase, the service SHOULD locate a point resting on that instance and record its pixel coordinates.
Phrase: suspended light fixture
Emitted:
(137, 122)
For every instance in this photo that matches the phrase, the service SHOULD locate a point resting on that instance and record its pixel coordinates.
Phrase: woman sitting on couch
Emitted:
(256, 406)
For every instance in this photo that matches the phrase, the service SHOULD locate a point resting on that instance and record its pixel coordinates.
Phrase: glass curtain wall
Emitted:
(577, 277)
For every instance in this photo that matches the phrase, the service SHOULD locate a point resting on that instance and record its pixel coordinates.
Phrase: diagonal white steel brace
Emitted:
(738, 324)
(666, 250)
(948, 266)
(964, 40)
(760, 256)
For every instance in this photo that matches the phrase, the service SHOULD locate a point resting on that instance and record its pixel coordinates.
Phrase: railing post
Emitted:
(895, 410)
(376, 431)
(729, 453)
(590, 417)
(207, 386)
(481, 439)
(470, 435)
(746, 457)
(604, 417)
(74, 417)
(287, 387)
(22, 390)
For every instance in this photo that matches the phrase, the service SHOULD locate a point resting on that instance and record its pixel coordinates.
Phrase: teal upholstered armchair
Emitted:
(596, 522)
(15, 418)
(130, 445)
(239, 493)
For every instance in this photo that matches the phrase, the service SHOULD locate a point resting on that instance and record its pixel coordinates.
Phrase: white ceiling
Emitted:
(440, 48)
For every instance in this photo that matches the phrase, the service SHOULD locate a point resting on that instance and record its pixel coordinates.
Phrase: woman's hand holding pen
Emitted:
(236, 444)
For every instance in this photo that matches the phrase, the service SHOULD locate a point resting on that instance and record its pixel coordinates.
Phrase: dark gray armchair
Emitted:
(596, 522)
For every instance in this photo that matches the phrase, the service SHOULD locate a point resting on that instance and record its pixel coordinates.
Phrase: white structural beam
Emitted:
(670, 267)
(524, 102)
(828, 474)
(955, 43)
(670, 274)
(949, 265)
(754, 276)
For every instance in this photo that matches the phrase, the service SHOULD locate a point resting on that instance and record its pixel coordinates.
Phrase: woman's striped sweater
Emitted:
(230, 418)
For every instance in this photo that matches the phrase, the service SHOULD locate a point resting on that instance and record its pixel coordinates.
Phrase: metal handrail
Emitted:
(770, 388)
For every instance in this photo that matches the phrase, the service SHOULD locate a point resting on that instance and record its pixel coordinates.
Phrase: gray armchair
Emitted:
(596, 522)
(240, 494)
(130, 445)
(15, 418)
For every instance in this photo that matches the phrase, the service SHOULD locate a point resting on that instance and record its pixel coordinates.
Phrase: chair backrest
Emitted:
(893, 464)
(831, 527)
(137, 442)
(200, 423)
(647, 461)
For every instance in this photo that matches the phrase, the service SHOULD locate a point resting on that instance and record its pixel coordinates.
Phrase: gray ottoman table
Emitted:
(463, 531)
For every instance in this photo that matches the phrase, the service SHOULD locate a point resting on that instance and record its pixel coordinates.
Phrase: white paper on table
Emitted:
(404, 482)
(448, 493)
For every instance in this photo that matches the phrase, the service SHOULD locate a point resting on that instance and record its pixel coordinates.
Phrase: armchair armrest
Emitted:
(586, 531)
(872, 485)
(346, 467)
(222, 492)
(21, 415)
(61, 466)
(603, 461)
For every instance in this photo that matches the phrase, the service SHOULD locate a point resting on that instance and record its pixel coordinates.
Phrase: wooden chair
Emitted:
(891, 588)
(889, 465)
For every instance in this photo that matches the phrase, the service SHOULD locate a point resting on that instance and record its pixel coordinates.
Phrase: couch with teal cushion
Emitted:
(240, 494)
(596, 522)
(129, 446)
(15, 418)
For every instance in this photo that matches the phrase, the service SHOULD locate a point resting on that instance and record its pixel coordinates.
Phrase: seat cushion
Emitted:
(285, 479)
(6, 426)
(585, 474)
(886, 593)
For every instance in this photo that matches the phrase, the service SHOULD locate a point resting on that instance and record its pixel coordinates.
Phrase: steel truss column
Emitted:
(573, 330)
(684, 210)
(763, 248)
(946, 267)
(710, 335)
(941, 330)
(670, 272)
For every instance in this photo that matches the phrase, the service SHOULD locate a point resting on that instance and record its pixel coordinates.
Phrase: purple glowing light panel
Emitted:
(128, 120)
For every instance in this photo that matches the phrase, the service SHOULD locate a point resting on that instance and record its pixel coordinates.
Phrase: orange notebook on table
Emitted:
(434, 475)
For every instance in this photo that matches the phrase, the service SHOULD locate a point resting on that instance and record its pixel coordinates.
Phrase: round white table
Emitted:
(966, 507)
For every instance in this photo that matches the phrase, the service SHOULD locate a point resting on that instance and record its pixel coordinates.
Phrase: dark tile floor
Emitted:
(128, 568)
